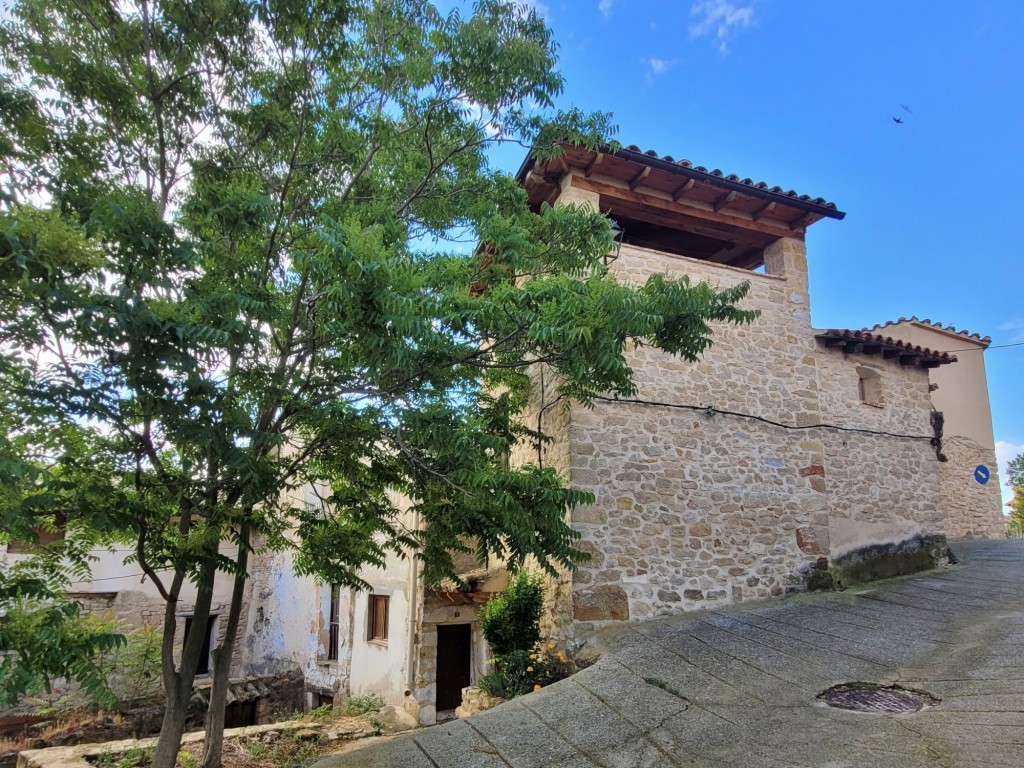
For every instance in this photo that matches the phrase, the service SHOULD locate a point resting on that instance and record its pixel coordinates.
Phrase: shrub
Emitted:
(521, 672)
(510, 621)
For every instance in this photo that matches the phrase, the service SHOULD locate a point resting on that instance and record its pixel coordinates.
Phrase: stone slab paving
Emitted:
(738, 687)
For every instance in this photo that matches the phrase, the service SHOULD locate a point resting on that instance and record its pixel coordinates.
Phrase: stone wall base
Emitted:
(882, 561)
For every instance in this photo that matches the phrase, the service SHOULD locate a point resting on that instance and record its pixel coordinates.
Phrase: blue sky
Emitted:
(802, 94)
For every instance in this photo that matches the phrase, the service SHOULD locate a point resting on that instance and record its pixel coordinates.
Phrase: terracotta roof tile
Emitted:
(986, 340)
(634, 149)
(860, 341)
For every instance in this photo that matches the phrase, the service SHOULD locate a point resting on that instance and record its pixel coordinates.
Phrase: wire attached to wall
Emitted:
(710, 410)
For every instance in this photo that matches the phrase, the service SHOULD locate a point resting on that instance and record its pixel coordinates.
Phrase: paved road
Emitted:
(738, 687)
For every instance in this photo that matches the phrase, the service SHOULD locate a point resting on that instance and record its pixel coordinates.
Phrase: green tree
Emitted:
(1015, 479)
(233, 263)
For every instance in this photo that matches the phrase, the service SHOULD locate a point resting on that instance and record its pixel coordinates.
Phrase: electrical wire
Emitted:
(985, 349)
(711, 411)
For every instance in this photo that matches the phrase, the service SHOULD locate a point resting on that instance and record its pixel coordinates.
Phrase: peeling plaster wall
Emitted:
(119, 589)
(284, 619)
(381, 667)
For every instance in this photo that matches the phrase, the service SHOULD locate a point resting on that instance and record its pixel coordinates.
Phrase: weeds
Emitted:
(360, 705)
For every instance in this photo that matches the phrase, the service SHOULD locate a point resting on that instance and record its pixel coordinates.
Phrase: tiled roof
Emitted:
(869, 343)
(633, 149)
(986, 340)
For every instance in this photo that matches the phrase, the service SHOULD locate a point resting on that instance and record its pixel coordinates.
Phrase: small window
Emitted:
(204, 654)
(334, 626)
(378, 629)
(869, 386)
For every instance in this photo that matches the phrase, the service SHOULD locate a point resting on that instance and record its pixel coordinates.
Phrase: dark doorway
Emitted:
(453, 662)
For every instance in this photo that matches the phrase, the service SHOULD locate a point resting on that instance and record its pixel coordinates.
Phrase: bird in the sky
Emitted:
(898, 120)
(905, 107)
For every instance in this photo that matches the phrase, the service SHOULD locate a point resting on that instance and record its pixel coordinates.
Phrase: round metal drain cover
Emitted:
(869, 697)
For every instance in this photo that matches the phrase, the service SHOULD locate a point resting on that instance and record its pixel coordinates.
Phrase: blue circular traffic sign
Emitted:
(982, 474)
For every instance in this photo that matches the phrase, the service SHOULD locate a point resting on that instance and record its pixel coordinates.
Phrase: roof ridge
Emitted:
(932, 324)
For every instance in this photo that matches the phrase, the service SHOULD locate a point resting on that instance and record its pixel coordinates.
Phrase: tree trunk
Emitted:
(178, 682)
(214, 739)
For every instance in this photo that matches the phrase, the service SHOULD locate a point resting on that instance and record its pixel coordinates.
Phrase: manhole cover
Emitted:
(870, 697)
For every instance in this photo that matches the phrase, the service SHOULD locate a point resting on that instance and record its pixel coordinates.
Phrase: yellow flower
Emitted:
(533, 656)
(529, 669)
(536, 687)
(561, 657)
(551, 646)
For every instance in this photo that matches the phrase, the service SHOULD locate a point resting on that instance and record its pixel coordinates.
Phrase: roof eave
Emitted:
(807, 206)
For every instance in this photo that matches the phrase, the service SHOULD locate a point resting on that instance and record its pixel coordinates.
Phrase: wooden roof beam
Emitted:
(723, 255)
(889, 354)
(639, 178)
(802, 221)
(763, 211)
(872, 349)
(658, 203)
(592, 165)
(680, 193)
(724, 201)
(834, 342)
(908, 358)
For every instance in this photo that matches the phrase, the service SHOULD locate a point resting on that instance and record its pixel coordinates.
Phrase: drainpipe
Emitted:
(410, 661)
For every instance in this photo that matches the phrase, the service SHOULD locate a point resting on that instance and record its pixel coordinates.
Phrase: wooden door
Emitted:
(454, 642)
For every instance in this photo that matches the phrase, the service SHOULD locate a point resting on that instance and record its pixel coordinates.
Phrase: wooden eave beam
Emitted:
(909, 358)
(764, 210)
(834, 342)
(723, 255)
(658, 203)
(592, 165)
(684, 188)
(724, 201)
(802, 221)
(889, 354)
(872, 349)
(854, 346)
(639, 178)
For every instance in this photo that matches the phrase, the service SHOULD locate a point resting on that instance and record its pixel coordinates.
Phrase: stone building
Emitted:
(728, 479)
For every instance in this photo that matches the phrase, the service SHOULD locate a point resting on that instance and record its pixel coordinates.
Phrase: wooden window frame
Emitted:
(377, 618)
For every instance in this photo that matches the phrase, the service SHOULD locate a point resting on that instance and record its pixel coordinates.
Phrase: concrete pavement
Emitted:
(738, 687)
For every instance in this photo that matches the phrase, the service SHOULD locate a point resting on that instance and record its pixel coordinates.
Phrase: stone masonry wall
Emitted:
(972, 509)
(695, 509)
(882, 489)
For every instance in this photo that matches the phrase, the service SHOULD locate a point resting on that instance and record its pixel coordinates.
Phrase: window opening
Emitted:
(869, 386)
(334, 627)
(204, 654)
(378, 630)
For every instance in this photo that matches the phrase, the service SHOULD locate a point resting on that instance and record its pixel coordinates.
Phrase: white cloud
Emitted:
(1005, 452)
(1015, 328)
(660, 66)
(542, 9)
(605, 7)
(719, 20)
